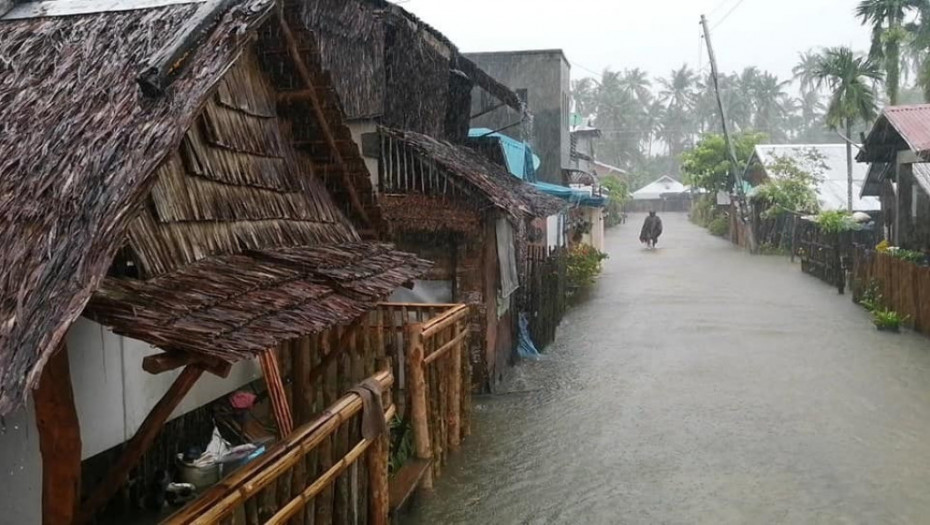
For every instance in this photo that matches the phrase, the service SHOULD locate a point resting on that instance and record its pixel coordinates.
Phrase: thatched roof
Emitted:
(471, 170)
(233, 307)
(388, 64)
(176, 184)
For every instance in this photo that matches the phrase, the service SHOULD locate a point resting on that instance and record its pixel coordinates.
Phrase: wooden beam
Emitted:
(166, 361)
(140, 443)
(334, 353)
(59, 441)
(279, 404)
(317, 107)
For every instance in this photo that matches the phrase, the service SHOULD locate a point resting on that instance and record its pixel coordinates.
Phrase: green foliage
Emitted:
(871, 298)
(401, 444)
(792, 186)
(836, 221)
(618, 192)
(887, 319)
(720, 226)
(707, 166)
(849, 77)
(584, 265)
(703, 210)
(907, 255)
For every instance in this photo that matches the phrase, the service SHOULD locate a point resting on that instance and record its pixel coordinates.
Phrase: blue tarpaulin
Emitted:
(572, 195)
(516, 153)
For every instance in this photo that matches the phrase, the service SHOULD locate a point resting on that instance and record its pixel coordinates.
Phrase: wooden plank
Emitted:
(140, 443)
(405, 482)
(275, 386)
(59, 441)
(442, 350)
(167, 361)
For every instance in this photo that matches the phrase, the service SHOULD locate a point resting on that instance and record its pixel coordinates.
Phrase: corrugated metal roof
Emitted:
(659, 187)
(913, 124)
(831, 192)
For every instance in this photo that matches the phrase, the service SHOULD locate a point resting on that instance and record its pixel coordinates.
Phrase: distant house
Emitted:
(897, 149)
(827, 159)
(584, 150)
(605, 170)
(662, 194)
(541, 78)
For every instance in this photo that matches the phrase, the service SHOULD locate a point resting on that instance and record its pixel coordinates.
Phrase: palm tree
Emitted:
(888, 33)
(637, 82)
(677, 97)
(771, 104)
(918, 52)
(584, 94)
(804, 70)
(848, 76)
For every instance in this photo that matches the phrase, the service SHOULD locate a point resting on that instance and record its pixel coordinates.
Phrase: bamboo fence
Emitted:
(903, 285)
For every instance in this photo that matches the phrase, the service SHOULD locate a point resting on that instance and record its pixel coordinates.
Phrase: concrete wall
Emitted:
(546, 77)
(112, 395)
(595, 237)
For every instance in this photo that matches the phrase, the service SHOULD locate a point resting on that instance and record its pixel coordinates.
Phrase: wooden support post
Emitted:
(140, 443)
(416, 385)
(455, 388)
(279, 405)
(378, 502)
(59, 441)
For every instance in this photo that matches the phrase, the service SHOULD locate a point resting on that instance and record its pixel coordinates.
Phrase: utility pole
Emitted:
(734, 165)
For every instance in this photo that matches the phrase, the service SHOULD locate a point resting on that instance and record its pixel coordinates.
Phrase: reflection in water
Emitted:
(701, 385)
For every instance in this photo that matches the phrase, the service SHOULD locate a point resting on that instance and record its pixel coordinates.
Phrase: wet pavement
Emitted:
(699, 384)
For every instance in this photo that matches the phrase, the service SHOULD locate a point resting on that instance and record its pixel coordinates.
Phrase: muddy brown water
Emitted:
(699, 384)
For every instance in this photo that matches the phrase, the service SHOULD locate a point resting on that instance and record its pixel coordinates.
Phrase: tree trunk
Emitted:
(849, 166)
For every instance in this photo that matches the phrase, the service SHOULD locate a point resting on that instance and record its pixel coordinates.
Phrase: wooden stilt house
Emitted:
(177, 172)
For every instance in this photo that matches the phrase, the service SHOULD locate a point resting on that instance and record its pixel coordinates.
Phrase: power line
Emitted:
(717, 8)
(727, 15)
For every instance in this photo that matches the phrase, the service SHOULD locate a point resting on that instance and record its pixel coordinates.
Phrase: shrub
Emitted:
(907, 255)
(720, 226)
(584, 265)
(886, 319)
(836, 221)
(871, 298)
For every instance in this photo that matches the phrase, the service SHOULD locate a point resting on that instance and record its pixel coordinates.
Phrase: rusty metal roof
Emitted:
(898, 128)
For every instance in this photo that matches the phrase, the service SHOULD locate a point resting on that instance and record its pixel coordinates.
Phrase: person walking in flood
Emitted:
(652, 229)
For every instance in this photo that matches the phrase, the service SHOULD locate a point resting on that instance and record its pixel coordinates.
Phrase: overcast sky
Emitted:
(652, 34)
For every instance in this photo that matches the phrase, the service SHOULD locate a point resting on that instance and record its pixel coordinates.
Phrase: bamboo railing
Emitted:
(269, 490)
(437, 370)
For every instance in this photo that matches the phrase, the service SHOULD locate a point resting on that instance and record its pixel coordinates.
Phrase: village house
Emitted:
(825, 161)
(408, 95)
(185, 213)
(897, 149)
(542, 80)
(661, 195)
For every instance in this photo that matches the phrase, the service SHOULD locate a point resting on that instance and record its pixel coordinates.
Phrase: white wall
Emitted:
(112, 395)
(358, 128)
(112, 392)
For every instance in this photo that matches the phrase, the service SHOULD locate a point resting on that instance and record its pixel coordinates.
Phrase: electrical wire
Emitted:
(727, 15)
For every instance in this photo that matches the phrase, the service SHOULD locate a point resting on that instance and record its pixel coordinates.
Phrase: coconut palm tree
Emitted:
(804, 70)
(848, 76)
(637, 82)
(584, 95)
(887, 18)
(771, 103)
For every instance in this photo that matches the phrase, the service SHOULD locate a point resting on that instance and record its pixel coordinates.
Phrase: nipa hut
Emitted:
(407, 92)
(165, 173)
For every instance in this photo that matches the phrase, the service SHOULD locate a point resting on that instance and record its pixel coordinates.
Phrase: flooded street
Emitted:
(699, 384)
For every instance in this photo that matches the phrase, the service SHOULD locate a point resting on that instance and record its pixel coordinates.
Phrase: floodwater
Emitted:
(699, 384)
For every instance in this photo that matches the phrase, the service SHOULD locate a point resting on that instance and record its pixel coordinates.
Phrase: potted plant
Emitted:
(887, 320)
